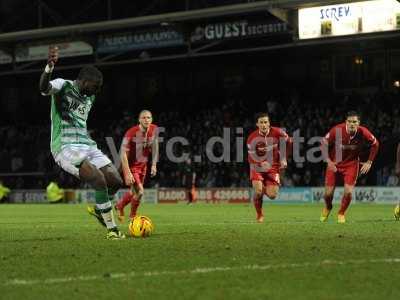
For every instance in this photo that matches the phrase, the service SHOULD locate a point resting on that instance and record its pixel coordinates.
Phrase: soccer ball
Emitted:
(141, 226)
(397, 212)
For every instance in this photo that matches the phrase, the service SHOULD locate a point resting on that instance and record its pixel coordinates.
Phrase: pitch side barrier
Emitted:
(287, 195)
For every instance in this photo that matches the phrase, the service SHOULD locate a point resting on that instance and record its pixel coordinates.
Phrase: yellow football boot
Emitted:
(324, 214)
(115, 234)
(341, 219)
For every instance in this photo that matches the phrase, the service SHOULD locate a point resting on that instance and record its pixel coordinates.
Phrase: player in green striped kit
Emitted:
(71, 145)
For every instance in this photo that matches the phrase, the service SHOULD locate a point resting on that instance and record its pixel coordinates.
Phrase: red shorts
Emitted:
(347, 175)
(267, 178)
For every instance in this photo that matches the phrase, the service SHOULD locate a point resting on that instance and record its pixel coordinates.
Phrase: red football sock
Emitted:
(345, 204)
(258, 202)
(134, 206)
(328, 202)
(124, 201)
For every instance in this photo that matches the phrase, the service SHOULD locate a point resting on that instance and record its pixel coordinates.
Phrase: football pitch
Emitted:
(213, 251)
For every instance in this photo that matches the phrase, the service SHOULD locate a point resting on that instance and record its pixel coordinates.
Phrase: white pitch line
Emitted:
(22, 282)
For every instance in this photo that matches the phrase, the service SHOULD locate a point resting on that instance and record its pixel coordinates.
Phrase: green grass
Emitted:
(60, 252)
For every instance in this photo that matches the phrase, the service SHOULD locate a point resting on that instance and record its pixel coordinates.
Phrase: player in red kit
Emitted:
(341, 149)
(397, 169)
(267, 154)
(140, 142)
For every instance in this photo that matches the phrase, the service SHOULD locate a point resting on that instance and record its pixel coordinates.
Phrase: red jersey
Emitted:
(138, 145)
(350, 147)
(267, 147)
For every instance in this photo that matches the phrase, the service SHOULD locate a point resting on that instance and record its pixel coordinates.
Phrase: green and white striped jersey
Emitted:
(69, 113)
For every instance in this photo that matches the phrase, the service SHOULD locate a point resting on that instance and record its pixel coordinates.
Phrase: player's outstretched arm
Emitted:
(44, 84)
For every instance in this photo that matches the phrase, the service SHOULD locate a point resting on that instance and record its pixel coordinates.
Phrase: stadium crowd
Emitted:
(27, 147)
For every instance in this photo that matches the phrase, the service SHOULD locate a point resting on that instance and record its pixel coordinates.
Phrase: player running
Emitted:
(139, 143)
(341, 149)
(397, 208)
(189, 180)
(267, 153)
(71, 146)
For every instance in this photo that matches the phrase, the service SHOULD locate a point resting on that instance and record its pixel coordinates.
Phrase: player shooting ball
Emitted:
(139, 143)
(71, 145)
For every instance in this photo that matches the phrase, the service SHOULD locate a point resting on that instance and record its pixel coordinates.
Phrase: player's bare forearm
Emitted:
(374, 151)
(124, 162)
(154, 157)
(324, 150)
(44, 84)
(289, 147)
(155, 152)
(128, 177)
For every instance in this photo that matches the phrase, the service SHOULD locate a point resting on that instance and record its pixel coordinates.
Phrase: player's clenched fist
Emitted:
(53, 56)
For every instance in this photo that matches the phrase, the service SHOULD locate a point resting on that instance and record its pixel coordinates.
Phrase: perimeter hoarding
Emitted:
(139, 40)
(238, 29)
